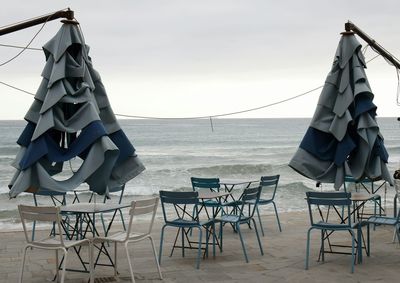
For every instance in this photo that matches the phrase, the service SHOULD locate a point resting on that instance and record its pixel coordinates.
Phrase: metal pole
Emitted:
(349, 26)
(68, 14)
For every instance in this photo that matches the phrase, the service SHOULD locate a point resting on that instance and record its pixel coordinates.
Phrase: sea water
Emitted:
(175, 150)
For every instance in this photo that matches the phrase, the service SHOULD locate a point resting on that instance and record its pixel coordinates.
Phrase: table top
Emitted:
(211, 195)
(231, 182)
(91, 207)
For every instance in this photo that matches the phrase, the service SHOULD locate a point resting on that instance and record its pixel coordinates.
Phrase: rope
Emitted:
(216, 115)
(224, 114)
(29, 43)
(21, 47)
(16, 88)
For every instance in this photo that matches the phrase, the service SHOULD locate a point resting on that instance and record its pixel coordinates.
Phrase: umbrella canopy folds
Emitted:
(71, 118)
(343, 137)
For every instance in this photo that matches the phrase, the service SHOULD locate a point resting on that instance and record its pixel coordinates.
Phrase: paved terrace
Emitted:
(283, 260)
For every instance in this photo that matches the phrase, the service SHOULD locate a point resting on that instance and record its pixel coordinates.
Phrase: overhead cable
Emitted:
(27, 46)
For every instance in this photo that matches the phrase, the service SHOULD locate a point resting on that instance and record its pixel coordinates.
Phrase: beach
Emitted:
(283, 260)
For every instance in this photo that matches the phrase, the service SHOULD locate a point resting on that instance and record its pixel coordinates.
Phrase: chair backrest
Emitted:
(333, 207)
(205, 183)
(183, 205)
(58, 198)
(116, 189)
(249, 201)
(142, 208)
(269, 184)
(44, 214)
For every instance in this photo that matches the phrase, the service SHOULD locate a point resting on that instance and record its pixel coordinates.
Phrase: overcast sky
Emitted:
(184, 58)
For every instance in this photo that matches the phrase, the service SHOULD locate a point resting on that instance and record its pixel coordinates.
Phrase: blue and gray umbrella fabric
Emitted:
(343, 138)
(71, 118)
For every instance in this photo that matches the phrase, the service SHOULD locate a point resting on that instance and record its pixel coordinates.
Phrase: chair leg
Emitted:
(57, 271)
(323, 245)
(221, 227)
(352, 250)
(91, 263)
(359, 244)
(207, 239)
(115, 259)
(241, 240)
(183, 241)
(277, 217)
(308, 248)
(33, 230)
(21, 274)
(258, 237)
(259, 220)
(129, 262)
(64, 266)
(199, 248)
(368, 241)
(214, 236)
(161, 244)
(155, 257)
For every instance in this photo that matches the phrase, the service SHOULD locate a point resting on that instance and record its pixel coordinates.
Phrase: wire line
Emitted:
(17, 88)
(21, 47)
(206, 116)
(224, 114)
(29, 43)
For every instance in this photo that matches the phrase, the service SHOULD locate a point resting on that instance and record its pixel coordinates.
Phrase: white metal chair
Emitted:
(56, 242)
(138, 208)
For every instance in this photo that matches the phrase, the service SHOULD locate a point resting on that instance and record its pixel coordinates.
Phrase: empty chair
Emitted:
(338, 205)
(131, 235)
(56, 198)
(243, 214)
(56, 242)
(387, 220)
(269, 184)
(180, 210)
(211, 184)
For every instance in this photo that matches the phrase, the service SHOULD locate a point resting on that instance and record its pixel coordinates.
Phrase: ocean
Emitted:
(175, 150)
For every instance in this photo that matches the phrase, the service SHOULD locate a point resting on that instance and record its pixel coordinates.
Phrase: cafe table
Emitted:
(235, 187)
(84, 225)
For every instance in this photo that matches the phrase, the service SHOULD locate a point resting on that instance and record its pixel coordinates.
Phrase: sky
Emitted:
(185, 58)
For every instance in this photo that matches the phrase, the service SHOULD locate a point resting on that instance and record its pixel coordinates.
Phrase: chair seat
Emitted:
(264, 201)
(232, 218)
(211, 203)
(333, 226)
(54, 242)
(121, 237)
(179, 222)
(382, 220)
(232, 203)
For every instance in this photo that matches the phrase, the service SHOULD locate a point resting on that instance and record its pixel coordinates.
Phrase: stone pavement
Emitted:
(283, 260)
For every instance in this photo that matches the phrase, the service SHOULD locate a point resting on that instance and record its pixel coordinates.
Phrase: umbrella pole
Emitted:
(349, 26)
(66, 13)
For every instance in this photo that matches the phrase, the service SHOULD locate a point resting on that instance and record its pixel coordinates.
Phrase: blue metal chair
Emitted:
(269, 184)
(339, 204)
(184, 206)
(387, 220)
(211, 184)
(246, 208)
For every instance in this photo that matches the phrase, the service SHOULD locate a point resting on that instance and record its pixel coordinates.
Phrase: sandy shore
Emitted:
(283, 260)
